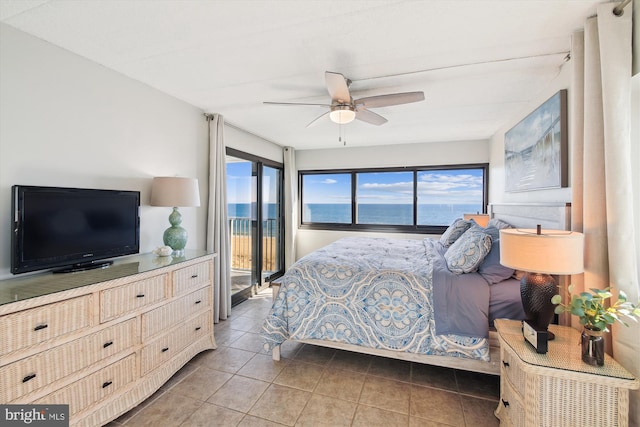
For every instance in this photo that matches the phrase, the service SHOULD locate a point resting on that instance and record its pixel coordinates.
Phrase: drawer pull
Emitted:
(28, 378)
(165, 349)
(140, 296)
(198, 328)
(505, 364)
(198, 301)
(107, 344)
(194, 276)
(106, 384)
(505, 403)
(39, 327)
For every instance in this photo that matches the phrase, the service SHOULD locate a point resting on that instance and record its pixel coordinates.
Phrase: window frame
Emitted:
(408, 229)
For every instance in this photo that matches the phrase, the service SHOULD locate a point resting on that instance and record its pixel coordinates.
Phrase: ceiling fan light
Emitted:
(342, 114)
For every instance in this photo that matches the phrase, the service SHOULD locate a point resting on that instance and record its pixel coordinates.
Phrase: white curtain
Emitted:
(290, 206)
(217, 221)
(601, 170)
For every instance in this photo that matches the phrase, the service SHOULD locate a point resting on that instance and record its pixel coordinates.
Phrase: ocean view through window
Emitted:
(409, 199)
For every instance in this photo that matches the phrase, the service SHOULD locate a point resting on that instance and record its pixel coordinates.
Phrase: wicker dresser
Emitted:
(104, 340)
(557, 388)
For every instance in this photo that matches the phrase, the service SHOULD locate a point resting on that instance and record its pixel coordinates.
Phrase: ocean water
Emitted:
(386, 214)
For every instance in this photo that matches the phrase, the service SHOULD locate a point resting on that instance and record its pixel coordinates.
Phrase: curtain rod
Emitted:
(619, 9)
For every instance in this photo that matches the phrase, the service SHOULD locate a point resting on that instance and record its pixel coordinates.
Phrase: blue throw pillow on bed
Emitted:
(454, 231)
(468, 252)
(498, 223)
(491, 269)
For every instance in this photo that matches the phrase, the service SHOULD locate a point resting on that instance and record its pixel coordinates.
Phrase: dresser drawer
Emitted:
(29, 374)
(129, 298)
(162, 318)
(165, 347)
(193, 277)
(511, 370)
(41, 324)
(93, 388)
(511, 408)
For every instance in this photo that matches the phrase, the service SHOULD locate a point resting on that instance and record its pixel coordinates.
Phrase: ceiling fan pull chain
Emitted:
(340, 135)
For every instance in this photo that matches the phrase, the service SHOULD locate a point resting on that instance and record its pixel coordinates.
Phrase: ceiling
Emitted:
(480, 63)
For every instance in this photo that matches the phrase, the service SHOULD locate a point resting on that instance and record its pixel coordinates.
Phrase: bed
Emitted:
(430, 301)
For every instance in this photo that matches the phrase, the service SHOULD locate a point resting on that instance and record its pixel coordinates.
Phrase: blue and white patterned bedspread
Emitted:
(370, 292)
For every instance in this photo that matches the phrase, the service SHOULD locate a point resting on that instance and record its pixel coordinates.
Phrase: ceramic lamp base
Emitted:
(536, 291)
(175, 236)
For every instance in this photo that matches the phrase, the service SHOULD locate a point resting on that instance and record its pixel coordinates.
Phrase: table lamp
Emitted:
(481, 219)
(540, 253)
(175, 192)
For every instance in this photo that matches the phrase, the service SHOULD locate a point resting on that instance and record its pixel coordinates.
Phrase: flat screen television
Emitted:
(70, 229)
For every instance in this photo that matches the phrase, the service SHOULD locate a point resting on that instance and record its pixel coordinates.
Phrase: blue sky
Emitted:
(462, 186)
(239, 183)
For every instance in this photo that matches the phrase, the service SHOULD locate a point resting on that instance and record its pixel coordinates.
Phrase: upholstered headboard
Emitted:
(551, 216)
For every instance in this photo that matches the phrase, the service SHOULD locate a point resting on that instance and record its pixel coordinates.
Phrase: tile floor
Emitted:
(238, 384)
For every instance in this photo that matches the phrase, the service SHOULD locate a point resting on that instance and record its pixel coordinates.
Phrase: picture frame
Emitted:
(536, 149)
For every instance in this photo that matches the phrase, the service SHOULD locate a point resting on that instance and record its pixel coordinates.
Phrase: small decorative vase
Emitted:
(592, 340)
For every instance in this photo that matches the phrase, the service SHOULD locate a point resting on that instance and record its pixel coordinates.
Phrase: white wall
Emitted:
(66, 121)
(427, 154)
(235, 137)
(497, 174)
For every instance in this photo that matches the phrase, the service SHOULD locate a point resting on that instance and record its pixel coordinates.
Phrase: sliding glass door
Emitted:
(255, 209)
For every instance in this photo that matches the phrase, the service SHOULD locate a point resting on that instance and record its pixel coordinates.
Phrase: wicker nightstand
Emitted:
(558, 388)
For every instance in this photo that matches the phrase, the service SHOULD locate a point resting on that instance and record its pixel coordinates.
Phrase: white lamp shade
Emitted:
(551, 252)
(175, 191)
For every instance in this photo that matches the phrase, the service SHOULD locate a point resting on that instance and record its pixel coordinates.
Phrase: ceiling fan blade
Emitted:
(317, 119)
(337, 87)
(390, 99)
(295, 103)
(370, 117)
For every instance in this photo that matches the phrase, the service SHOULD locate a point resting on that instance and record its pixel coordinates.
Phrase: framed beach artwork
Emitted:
(536, 149)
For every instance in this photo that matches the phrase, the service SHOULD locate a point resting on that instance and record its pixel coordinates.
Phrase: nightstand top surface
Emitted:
(564, 351)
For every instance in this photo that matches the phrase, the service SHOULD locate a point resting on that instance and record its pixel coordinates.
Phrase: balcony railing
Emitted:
(241, 241)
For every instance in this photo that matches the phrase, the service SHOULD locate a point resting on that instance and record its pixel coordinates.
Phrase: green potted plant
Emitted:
(595, 316)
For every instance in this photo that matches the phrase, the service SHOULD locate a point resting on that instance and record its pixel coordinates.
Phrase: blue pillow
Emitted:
(491, 269)
(468, 252)
(454, 231)
(498, 223)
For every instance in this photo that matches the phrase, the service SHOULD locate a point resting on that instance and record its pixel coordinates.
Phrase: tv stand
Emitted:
(103, 341)
(91, 265)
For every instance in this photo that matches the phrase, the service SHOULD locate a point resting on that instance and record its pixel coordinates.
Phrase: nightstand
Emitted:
(557, 388)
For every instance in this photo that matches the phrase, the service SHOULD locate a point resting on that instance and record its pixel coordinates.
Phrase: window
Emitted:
(447, 194)
(416, 200)
(326, 198)
(256, 219)
(384, 198)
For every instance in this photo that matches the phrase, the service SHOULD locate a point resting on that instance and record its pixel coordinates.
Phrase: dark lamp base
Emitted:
(536, 291)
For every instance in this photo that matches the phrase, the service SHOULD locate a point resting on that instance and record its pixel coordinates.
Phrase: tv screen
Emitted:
(71, 227)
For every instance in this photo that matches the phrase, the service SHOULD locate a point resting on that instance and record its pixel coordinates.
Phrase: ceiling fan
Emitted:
(344, 109)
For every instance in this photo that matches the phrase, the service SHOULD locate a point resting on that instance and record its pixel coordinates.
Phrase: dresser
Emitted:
(104, 340)
(557, 388)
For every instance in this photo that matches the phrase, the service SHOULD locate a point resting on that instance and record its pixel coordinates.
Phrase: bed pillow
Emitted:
(468, 252)
(491, 269)
(454, 231)
(499, 224)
